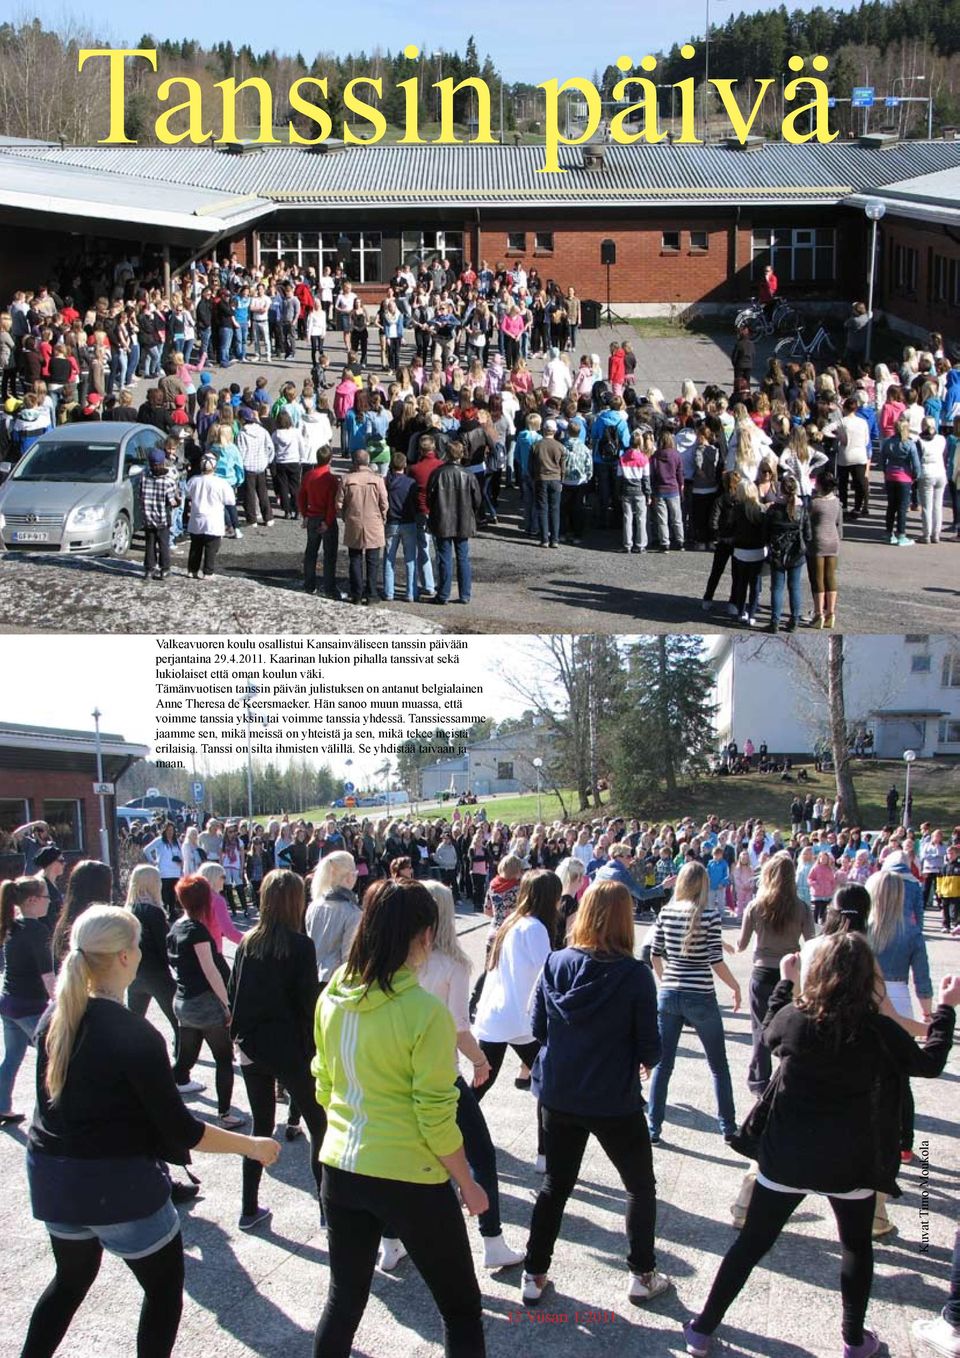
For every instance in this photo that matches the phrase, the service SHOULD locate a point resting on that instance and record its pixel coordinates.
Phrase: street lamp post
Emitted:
(874, 210)
(901, 123)
(538, 765)
(104, 833)
(251, 692)
(908, 758)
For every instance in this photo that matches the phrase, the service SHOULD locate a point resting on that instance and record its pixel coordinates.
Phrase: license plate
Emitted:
(31, 537)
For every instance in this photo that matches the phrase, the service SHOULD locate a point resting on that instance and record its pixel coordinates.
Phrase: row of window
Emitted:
(63, 815)
(798, 255)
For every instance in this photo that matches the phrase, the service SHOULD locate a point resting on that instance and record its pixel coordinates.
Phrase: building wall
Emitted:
(762, 692)
(37, 786)
(919, 276)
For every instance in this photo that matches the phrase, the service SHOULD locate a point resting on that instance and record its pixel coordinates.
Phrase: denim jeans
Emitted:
(634, 505)
(528, 490)
(898, 502)
(763, 981)
(261, 338)
(669, 512)
(397, 533)
(792, 579)
(548, 510)
(202, 341)
(702, 1012)
(364, 562)
(481, 1155)
(151, 367)
(225, 344)
(606, 478)
(446, 548)
(17, 1035)
(425, 581)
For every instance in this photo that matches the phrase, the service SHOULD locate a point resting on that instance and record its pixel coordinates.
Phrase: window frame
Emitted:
(784, 246)
(538, 247)
(666, 246)
(920, 664)
(700, 249)
(80, 827)
(514, 249)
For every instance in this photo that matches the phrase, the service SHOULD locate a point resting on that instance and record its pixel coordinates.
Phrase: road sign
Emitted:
(862, 96)
(348, 788)
(103, 789)
(197, 791)
(892, 101)
(831, 103)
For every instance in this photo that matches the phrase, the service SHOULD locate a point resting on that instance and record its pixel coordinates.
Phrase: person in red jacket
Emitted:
(304, 296)
(317, 505)
(421, 470)
(768, 288)
(617, 369)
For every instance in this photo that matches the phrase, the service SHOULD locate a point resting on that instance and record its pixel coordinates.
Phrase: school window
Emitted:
(358, 252)
(699, 240)
(427, 247)
(14, 812)
(517, 241)
(798, 255)
(948, 733)
(945, 280)
(670, 240)
(543, 242)
(505, 770)
(916, 638)
(920, 664)
(950, 671)
(905, 264)
(65, 819)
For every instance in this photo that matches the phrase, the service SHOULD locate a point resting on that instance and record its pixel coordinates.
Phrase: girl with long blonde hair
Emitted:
(154, 979)
(687, 953)
(108, 1114)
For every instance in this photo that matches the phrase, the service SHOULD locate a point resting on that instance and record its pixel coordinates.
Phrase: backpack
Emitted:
(609, 446)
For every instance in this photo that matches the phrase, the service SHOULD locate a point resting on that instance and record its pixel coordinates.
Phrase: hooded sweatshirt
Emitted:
(384, 1075)
(596, 1016)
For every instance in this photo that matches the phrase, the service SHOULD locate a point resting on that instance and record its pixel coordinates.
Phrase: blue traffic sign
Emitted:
(348, 788)
(831, 103)
(862, 96)
(892, 101)
(197, 790)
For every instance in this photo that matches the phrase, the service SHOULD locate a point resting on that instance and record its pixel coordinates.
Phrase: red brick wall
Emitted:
(35, 786)
(919, 306)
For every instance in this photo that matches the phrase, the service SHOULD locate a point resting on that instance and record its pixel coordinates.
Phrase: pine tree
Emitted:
(667, 727)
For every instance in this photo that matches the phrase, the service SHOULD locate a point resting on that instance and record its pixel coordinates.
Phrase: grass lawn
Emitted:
(935, 785)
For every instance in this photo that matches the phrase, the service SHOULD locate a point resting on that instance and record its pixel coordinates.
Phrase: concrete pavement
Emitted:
(261, 1294)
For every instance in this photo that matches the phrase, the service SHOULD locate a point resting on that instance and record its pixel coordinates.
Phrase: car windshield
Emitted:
(63, 461)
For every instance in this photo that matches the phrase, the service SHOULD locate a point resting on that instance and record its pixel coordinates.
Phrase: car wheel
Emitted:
(120, 538)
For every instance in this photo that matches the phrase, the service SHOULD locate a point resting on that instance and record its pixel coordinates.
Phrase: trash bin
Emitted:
(590, 315)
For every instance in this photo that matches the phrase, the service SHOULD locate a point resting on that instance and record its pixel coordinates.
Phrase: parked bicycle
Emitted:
(782, 318)
(797, 346)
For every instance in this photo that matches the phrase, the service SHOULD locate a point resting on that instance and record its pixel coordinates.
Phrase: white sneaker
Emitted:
(391, 1252)
(938, 1334)
(238, 535)
(498, 1254)
(540, 1164)
(191, 1087)
(645, 1287)
(530, 1289)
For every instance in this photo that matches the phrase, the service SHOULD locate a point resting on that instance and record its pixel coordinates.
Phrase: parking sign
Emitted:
(197, 789)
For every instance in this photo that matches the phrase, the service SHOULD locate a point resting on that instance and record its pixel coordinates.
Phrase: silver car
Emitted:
(76, 490)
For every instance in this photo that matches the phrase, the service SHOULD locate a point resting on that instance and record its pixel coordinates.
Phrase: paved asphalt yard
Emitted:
(261, 1294)
(520, 588)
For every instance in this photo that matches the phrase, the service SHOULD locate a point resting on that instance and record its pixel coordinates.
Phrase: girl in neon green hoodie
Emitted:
(392, 1145)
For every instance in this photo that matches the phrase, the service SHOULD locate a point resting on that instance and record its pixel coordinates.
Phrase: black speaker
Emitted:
(608, 252)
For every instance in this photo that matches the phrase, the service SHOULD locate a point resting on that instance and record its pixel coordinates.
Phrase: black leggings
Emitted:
(261, 1083)
(221, 1048)
(147, 988)
(429, 1221)
(78, 1262)
(767, 1215)
(168, 894)
(495, 1052)
(230, 895)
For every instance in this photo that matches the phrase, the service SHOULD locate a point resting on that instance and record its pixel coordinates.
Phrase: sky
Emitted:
(531, 42)
(71, 675)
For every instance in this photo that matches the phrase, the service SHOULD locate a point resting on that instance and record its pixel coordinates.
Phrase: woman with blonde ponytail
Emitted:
(108, 1116)
(687, 953)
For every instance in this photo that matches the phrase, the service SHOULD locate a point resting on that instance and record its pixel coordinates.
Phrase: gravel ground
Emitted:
(261, 1294)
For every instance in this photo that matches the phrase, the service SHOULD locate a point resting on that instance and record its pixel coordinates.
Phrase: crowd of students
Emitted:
(349, 998)
(456, 429)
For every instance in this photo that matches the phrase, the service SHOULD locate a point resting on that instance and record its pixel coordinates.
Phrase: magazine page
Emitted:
(472, 812)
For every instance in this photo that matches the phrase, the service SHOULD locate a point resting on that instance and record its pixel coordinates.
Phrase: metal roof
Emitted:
(31, 181)
(490, 176)
(925, 197)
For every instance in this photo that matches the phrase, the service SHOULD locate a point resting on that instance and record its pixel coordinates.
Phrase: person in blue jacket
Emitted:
(615, 870)
(595, 1016)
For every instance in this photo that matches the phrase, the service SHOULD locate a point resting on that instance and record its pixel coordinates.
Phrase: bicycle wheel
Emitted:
(748, 318)
(786, 348)
(787, 321)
